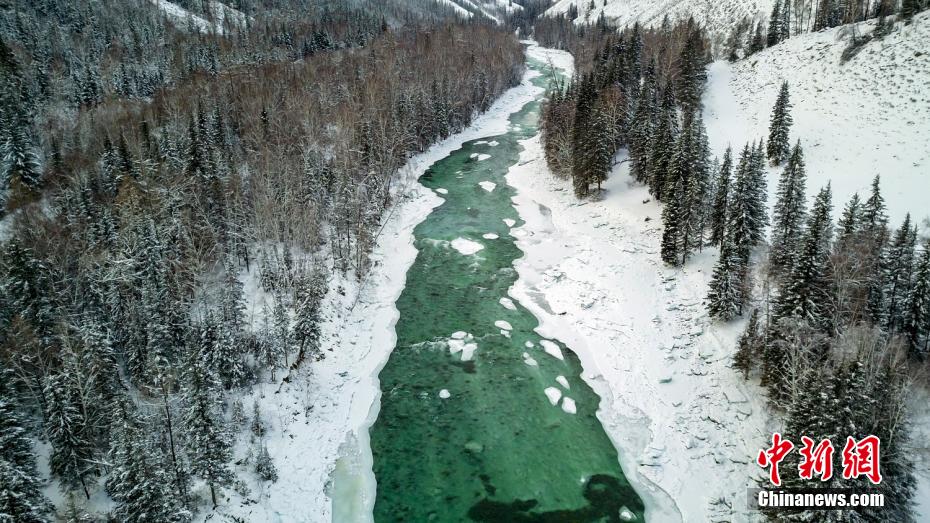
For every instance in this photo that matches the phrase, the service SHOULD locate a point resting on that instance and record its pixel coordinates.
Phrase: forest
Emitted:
(839, 310)
(147, 164)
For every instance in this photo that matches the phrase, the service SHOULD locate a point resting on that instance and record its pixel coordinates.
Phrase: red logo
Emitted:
(859, 458)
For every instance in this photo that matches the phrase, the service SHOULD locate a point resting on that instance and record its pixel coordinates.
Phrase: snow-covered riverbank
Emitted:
(318, 423)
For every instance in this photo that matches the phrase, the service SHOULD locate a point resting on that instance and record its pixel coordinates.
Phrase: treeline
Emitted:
(130, 218)
(629, 97)
(793, 17)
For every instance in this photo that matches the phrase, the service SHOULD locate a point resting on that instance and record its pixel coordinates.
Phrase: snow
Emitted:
(508, 304)
(444, 394)
(553, 394)
(466, 246)
(592, 275)
(868, 116)
(568, 405)
(503, 325)
(487, 186)
(459, 10)
(318, 423)
(222, 14)
(718, 16)
(442, 191)
(489, 236)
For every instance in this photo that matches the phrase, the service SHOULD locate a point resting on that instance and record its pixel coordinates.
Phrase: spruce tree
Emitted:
(138, 482)
(775, 27)
(788, 212)
(747, 349)
(778, 146)
(72, 458)
(21, 497)
(917, 317)
(209, 445)
(806, 293)
(718, 212)
(897, 267)
(642, 125)
(728, 285)
(692, 74)
(662, 149)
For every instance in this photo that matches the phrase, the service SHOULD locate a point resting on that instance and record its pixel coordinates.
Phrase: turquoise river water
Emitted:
(476, 421)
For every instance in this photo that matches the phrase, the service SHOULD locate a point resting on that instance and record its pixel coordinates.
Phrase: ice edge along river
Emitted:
(352, 483)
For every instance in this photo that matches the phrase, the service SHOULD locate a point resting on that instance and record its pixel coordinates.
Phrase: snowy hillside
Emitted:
(868, 116)
(221, 13)
(717, 15)
(494, 9)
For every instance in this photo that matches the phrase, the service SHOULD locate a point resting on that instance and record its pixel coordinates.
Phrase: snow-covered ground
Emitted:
(868, 116)
(686, 425)
(221, 14)
(718, 16)
(318, 423)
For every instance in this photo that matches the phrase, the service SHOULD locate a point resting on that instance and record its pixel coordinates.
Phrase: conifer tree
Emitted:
(774, 35)
(642, 125)
(692, 74)
(138, 481)
(806, 293)
(747, 349)
(778, 146)
(72, 455)
(21, 497)
(789, 211)
(917, 318)
(718, 212)
(758, 40)
(208, 440)
(662, 149)
(728, 285)
(897, 266)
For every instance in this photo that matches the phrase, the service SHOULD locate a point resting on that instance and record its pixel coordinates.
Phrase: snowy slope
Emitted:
(716, 15)
(495, 10)
(855, 120)
(222, 15)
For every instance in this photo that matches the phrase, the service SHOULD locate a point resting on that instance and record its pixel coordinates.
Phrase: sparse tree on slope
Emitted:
(748, 347)
(778, 146)
(718, 212)
(917, 318)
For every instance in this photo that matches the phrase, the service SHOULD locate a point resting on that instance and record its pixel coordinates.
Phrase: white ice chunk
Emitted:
(490, 236)
(483, 157)
(503, 325)
(466, 247)
(529, 360)
(444, 393)
(551, 349)
(568, 405)
(553, 394)
(562, 381)
(487, 186)
(508, 304)
(442, 191)
(505, 334)
(468, 351)
(529, 344)
(457, 335)
(493, 143)
(509, 223)
(626, 514)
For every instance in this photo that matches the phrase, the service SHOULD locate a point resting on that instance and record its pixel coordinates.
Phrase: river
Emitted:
(481, 419)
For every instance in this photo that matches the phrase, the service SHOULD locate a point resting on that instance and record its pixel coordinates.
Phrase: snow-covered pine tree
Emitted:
(897, 267)
(718, 211)
(21, 497)
(20, 170)
(758, 40)
(264, 464)
(757, 194)
(774, 35)
(727, 294)
(692, 74)
(308, 315)
(662, 148)
(778, 146)
(139, 482)
(642, 125)
(72, 458)
(806, 293)
(671, 220)
(789, 211)
(281, 326)
(208, 441)
(917, 317)
(748, 347)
